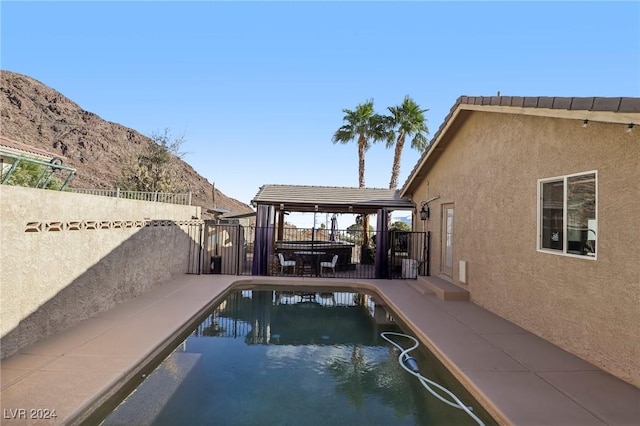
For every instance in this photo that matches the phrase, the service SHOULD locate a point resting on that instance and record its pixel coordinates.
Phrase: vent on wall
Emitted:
(462, 271)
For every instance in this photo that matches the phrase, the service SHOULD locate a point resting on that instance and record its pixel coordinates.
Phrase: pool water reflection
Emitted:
(291, 358)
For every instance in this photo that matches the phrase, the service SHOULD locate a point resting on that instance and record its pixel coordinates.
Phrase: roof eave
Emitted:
(625, 111)
(574, 114)
(434, 146)
(355, 208)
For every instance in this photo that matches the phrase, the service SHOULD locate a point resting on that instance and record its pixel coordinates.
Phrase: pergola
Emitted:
(276, 200)
(330, 199)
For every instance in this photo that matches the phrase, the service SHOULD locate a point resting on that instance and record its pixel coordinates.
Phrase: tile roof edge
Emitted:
(601, 104)
(28, 149)
(596, 103)
(326, 187)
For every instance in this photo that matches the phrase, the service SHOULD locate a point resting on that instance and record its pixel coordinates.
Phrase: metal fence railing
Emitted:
(326, 253)
(158, 197)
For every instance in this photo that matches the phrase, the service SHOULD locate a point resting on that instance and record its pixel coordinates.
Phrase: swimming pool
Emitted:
(289, 357)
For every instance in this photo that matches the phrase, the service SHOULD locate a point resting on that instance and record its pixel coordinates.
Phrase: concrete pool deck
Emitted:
(520, 378)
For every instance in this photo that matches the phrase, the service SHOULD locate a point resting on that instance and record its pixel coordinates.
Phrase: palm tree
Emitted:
(364, 125)
(408, 120)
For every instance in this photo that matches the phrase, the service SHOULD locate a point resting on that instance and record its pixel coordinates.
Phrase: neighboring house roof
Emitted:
(330, 199)
(624, 110)
(240, 215)
(17, 148)
(218, 210)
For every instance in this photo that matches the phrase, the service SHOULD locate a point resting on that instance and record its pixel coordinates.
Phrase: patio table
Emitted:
(311, 258)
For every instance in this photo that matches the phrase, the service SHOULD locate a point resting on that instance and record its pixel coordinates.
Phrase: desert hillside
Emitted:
(37, 115)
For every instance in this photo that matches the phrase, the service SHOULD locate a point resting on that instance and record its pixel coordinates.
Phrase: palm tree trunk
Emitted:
(365, 231)
(395, 169)
(365, 220)
(361, 145)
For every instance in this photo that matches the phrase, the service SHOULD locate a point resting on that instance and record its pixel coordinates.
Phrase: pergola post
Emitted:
(280, 226)
(382, 256)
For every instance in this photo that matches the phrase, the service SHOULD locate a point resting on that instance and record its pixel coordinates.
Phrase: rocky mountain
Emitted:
(37, 115)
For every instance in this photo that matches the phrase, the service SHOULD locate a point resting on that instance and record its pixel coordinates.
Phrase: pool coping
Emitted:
(518, 377)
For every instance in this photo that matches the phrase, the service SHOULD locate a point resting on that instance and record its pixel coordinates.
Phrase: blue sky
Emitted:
(257, 88)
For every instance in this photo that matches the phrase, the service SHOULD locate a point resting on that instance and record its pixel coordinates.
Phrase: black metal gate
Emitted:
(225, 249)
(195, 234)
(408, 254)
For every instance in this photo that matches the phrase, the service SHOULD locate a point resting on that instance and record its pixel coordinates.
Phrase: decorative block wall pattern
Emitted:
(88, 225)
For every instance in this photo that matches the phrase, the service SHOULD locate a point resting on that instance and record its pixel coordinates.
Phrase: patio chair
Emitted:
(286, 263)
(331, 264)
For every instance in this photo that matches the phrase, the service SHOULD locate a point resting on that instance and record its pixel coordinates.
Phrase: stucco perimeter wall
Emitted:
(66, 257)
(489, 171)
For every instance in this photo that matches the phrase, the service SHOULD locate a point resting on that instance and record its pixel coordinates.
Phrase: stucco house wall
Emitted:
(488, 167)
(66, 257)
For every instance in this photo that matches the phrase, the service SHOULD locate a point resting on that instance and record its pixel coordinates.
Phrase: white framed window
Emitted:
(567, 215)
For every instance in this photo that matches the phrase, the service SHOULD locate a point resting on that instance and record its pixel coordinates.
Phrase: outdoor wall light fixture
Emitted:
(281, 206)
(424, 208)
(424, 211)
(585, 123)
(630, 128)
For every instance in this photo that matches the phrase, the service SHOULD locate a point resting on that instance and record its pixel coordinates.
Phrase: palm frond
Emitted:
(344, 134)
(419, 142)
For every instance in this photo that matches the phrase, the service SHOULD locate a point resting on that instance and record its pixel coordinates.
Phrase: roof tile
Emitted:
(505, 100)
(629, 105)
(582, 103)
(517, 101)
(606, 104)
(561, 103)
(545, 102)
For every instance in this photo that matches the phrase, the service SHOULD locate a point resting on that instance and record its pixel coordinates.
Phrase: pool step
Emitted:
(444, 289)
(420, 286)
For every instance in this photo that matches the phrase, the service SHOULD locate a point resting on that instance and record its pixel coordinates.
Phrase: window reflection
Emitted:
(568, 215)
(552, 215)
(581, 211)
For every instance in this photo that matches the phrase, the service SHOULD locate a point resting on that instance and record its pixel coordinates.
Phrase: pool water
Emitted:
(285, 358)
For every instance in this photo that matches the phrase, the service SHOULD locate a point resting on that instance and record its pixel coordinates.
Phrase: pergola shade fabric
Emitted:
(330, 199)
